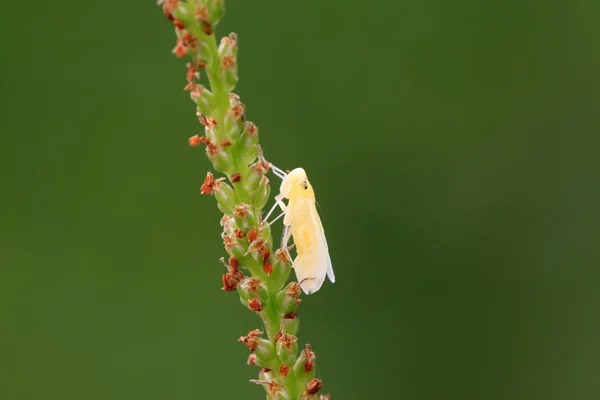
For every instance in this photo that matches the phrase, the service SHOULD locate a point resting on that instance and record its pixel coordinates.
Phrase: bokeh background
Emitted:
(453, 147)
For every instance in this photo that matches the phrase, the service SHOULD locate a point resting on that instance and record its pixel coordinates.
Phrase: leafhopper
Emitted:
(302, 221)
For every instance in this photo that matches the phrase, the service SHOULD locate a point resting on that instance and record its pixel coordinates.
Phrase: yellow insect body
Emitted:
(302, 221)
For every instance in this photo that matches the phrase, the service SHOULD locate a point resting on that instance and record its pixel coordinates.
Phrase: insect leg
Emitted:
(270, 212)
(264, 225)
(278, 202)
(284, 241)
(277, 171)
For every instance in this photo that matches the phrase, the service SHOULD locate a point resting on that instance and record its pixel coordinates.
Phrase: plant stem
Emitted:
(232, 146)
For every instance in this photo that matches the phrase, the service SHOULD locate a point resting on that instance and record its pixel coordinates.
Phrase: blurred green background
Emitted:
(453, 148)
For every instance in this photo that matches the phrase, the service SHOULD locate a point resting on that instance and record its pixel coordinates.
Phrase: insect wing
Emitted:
(322, 242)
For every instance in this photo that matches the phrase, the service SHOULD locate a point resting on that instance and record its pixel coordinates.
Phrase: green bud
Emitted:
(248, 143)
(226, 198)
(252, 179)
(230, 77)
(219, 158)
(263, 293)
(233, 247)
(287, 349)
(252, 287)
(244, 292)
(281, 269)
(203, 98)
(304, 368)
(265, 353)
(291, 323)
(244, 216)
(216, 10)
(261, 195)
(263, 375)
(228, 56)
(286, 298)
(282, 394)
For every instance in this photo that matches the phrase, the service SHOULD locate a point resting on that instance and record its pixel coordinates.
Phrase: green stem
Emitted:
(199, 18)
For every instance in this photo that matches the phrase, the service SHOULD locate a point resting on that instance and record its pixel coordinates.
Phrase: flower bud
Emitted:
(265, 353)
(291, 323)
(244, 216)
(304, 369)
(261, 195)
(252, 179)
(253, 287)
(230, 72)
(220, 159)
(248, 143)
(226, 198)
(274, 386)
(281, 269)
(212, 12)
(244, 292)
(282, 394)
(265, 374)
(228, 56)
(233, 247)
(286, 298)
(202, 96)
(287, 348)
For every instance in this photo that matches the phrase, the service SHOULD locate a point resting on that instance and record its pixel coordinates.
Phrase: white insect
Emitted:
(302, 221)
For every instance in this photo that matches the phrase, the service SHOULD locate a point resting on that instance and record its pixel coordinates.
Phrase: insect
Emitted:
(302, 221)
